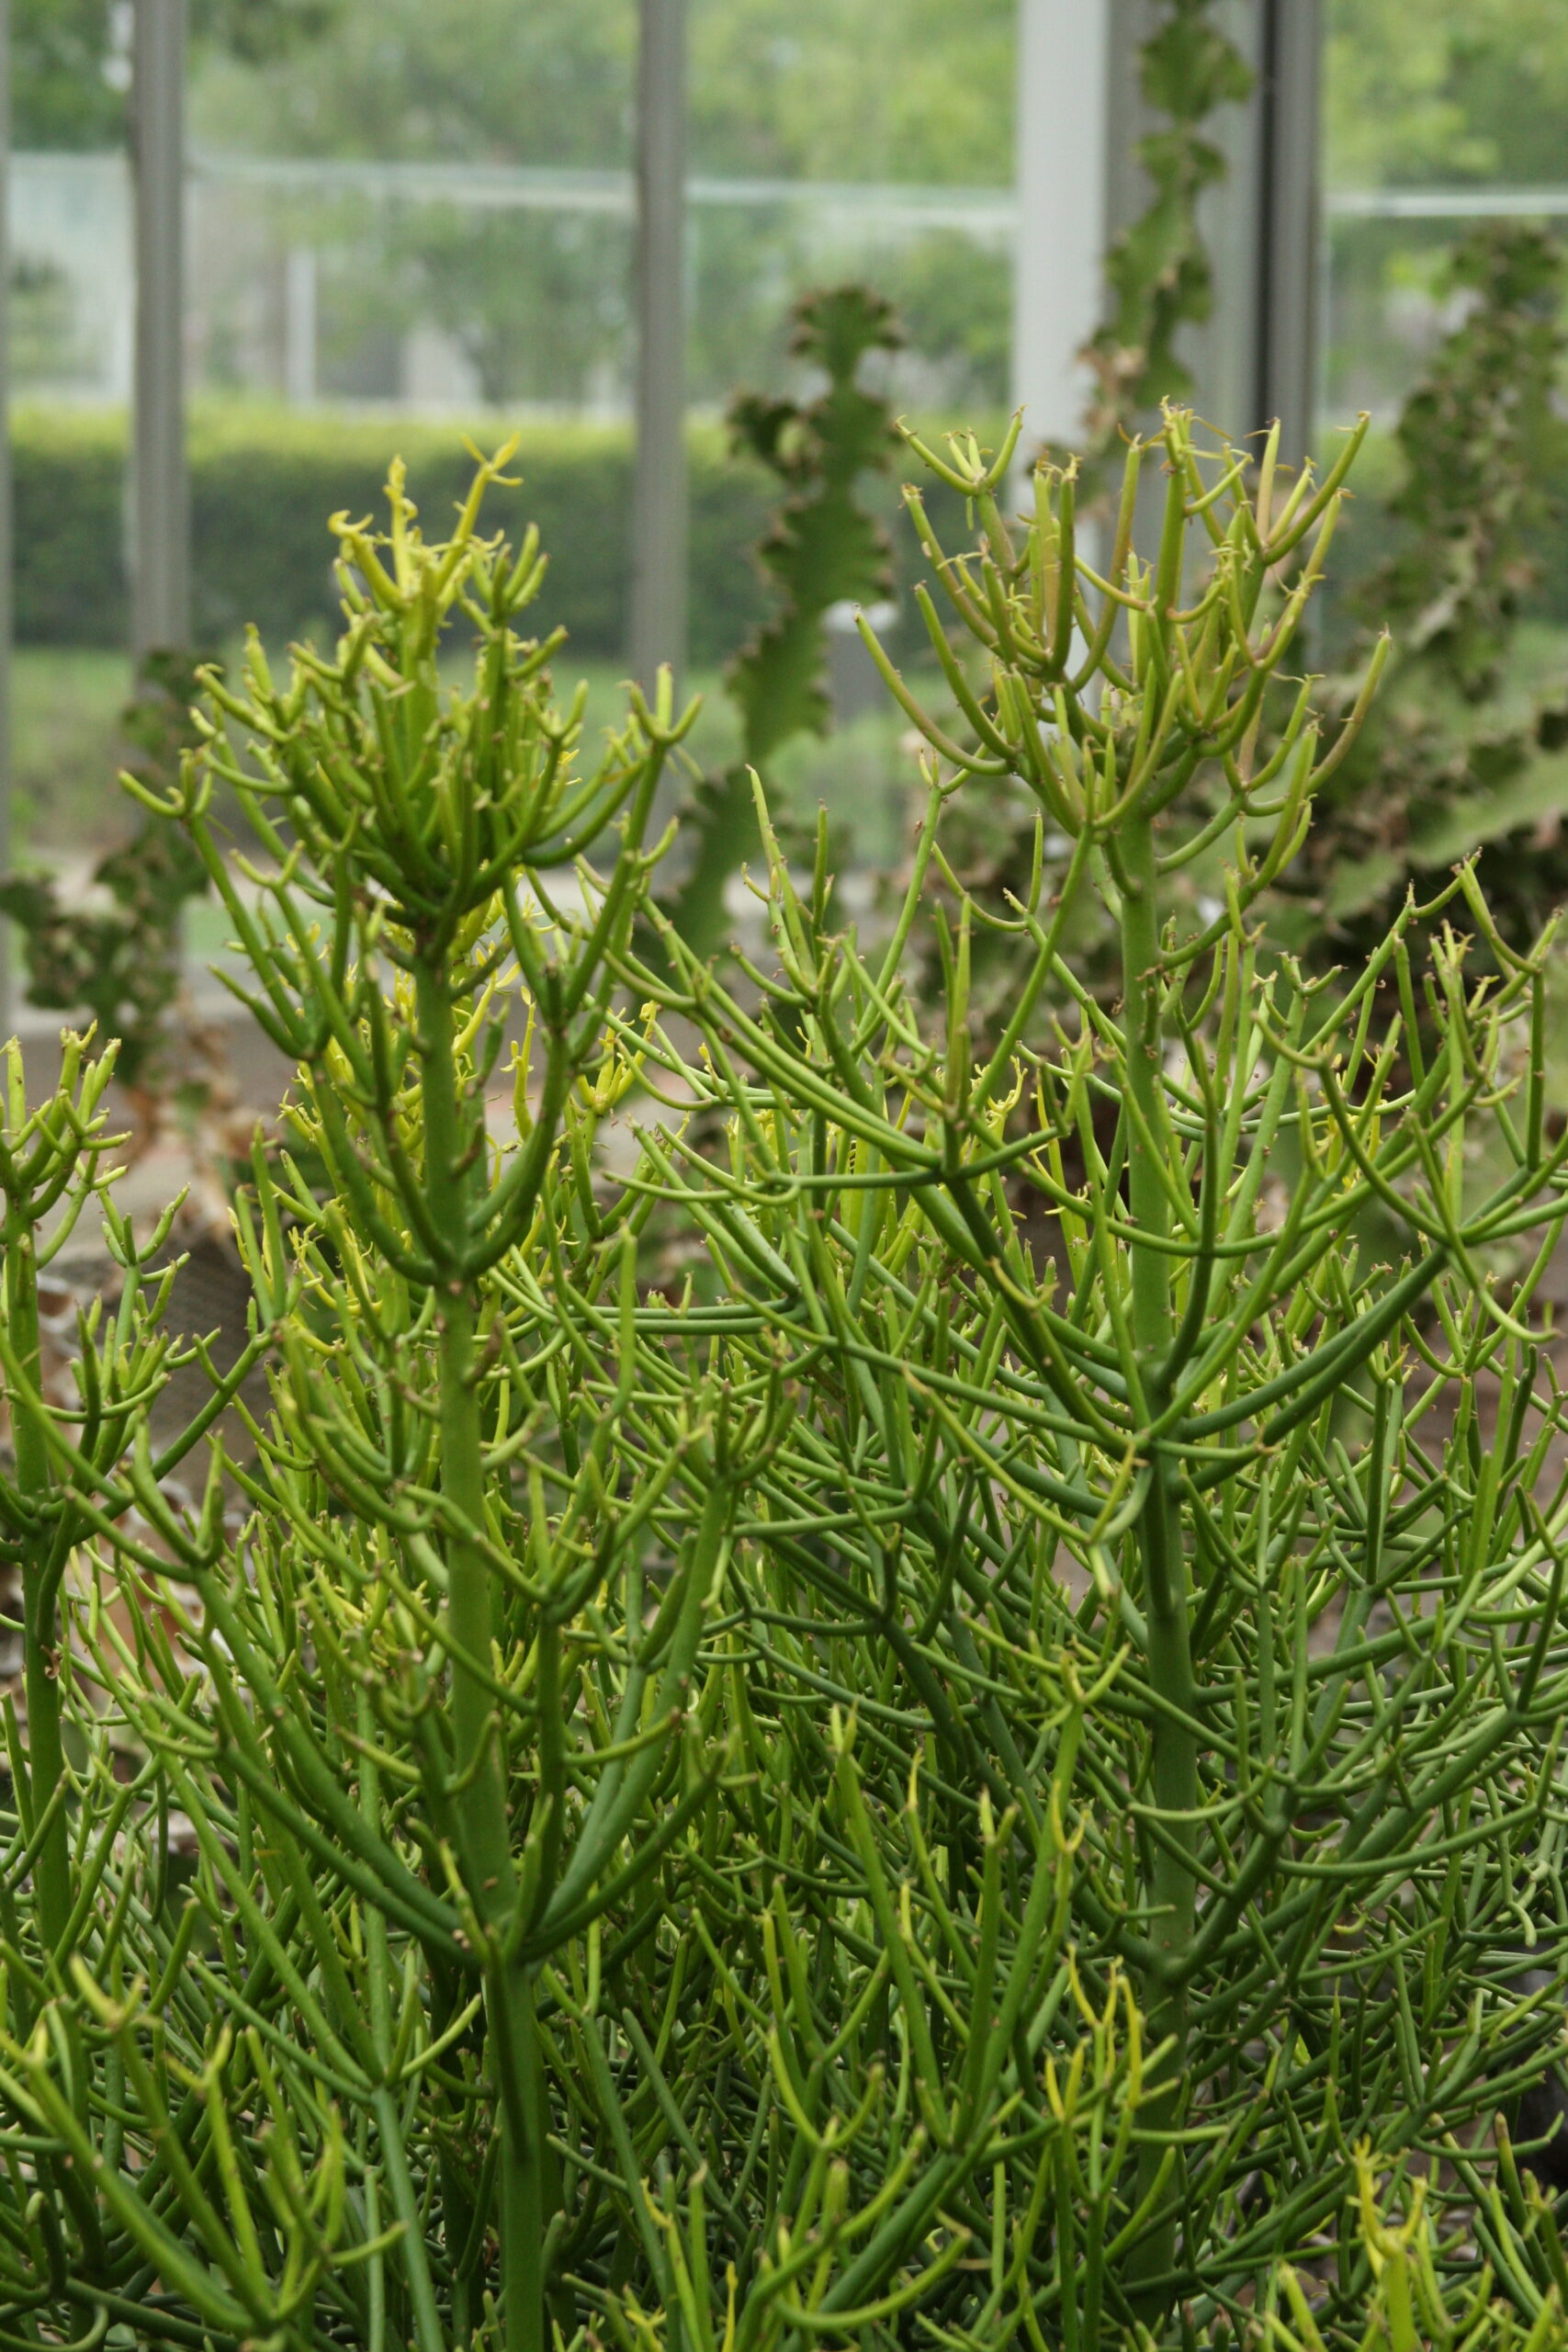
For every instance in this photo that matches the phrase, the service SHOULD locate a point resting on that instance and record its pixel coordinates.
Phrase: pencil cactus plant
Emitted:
(942, 1775)
(422, 1348)
(1220, 1439)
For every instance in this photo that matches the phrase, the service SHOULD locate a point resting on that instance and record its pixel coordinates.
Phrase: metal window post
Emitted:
(1289, 102)
(1061, 173)
(160, 553)
(300, 274)
(1080, 116)
(657, 618)
(1255, 357)
(6, 988)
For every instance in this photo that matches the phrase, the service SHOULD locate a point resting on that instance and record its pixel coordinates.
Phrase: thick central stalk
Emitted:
(1170, 1888)
(454, 1175)
(40, 1638)
(452, 1160)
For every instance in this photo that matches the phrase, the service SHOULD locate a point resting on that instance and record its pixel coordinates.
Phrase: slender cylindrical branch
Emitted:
(1170, 1886)
(41, 1632)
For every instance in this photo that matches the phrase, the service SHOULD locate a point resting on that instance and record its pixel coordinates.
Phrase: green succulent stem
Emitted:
(1170, 1885)
(527, 2203)
(41, 1585)
(455, 1172)
(453, 1146)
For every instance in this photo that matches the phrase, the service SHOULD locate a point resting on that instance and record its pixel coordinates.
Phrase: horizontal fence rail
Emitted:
(272, 241)
(499, 187)
(1446, 203)
(548, 189)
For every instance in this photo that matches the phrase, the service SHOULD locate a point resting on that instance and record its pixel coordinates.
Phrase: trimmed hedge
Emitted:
(264, 481)
(68, 484)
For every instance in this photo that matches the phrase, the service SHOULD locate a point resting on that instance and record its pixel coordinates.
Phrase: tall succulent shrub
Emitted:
(947, 1775)
(1205, 1441)
(414, 826)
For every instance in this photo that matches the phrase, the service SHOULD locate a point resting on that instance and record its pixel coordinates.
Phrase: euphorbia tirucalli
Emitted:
(973, 1761)
(1224, 1427)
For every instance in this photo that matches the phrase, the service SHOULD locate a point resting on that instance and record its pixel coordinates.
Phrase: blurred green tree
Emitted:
(827, 89)
(840, 89)
(71, 70)
(64, 88)
(837, 90)
(1458, 90)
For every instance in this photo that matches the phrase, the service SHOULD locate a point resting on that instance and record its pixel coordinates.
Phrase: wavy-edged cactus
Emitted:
(821, 548)
(1159, 276)
(1449, 764)
(116, 959)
